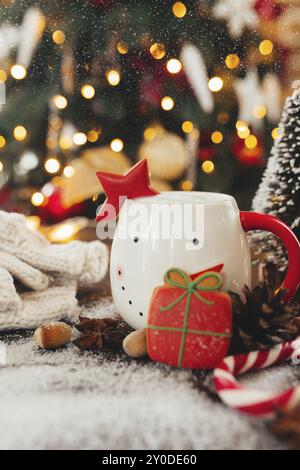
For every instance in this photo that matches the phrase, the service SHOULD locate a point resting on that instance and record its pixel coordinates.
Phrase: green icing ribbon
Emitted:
(189, 288)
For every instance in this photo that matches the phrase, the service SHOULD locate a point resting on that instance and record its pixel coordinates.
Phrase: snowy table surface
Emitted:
(68, 399)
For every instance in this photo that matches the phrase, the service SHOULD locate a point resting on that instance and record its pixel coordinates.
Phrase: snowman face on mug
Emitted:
(169, 235)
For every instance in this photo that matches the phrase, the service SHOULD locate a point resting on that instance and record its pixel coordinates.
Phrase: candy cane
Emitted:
(259, 403)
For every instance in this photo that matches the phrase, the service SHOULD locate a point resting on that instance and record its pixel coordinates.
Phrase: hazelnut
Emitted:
(53, 335)
(135, 344)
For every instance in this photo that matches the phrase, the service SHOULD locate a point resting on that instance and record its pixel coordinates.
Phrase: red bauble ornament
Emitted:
(53, 210)
(206, 150)
(268, 10)
(206, 153)
(246, 156)
(151, 91)
(189, 322)
(151, 82)
(135, 183)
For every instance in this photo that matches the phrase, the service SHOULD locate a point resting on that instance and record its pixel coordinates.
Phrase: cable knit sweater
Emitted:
(52, 272)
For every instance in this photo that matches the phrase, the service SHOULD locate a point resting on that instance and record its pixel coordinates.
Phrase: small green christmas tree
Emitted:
(279, 190)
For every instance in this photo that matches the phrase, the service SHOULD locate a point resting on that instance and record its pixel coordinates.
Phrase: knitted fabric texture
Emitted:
(81, 260)
(54, 273)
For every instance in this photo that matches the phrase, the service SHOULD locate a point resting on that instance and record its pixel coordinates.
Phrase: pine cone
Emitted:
(263, 320)
(287, 426)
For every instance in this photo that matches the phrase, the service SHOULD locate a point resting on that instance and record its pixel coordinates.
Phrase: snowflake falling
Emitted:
(239, 15)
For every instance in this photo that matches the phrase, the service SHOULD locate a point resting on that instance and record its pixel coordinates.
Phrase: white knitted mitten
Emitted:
(85, 262)
(54, 272)
(31, 309)
(9, 299)
(29, 276)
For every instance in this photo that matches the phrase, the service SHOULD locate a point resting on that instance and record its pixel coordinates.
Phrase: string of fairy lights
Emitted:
(113, 77)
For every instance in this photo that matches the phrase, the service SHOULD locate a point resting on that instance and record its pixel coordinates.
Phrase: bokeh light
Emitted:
(2, 141)
(69, 171)
(179, 9)
(243, 133)
(37, 199)
(149, 133)
(158, 50)
(65, 142)
(3, 76)
(259, 111)
(117, 145)
(241, 125)
(215, 84)
(167, 103)
(87, 91)
(59, 37)
(60, 101)
(208, 166)
(251, 142)
(20, 133)
(174, 66)
(122, 47)
(187, 127)
(79, 138)
(52, 165)
(232, 61)
(217, 137)
(18, 72)
(92, 135)
(186, 185)
(266, 47)
(113, 77)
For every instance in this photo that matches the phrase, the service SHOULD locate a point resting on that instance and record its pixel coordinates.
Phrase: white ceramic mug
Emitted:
(139, 258)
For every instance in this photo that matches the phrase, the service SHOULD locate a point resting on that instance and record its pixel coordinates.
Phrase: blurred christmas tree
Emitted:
(279, 191)
(128, 76)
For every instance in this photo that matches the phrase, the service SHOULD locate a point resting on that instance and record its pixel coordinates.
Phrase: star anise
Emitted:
(95, 324)
(100, 332)
(90, 341)
(113, 337)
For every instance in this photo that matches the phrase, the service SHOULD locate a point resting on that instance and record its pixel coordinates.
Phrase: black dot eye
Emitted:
(141, 314)
(196, 241)
(136, 239)
(130, 303)
(123, 288)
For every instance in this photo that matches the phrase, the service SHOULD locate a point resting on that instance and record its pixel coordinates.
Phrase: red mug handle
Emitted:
(256, 221)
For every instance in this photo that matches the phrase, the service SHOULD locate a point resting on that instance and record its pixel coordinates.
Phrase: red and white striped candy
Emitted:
(259, 403)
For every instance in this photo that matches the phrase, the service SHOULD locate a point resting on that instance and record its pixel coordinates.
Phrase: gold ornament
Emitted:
(160, 185)
(166, 154)
(84, 184)
(105, 159)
